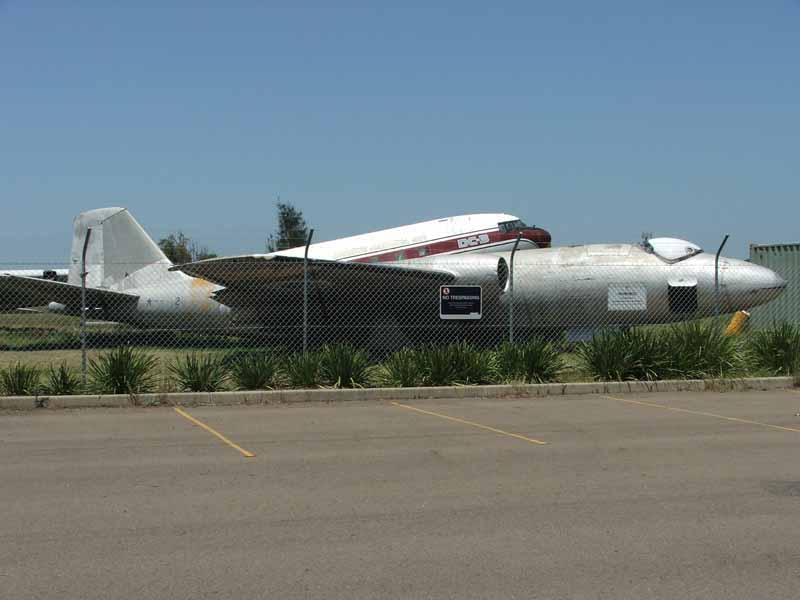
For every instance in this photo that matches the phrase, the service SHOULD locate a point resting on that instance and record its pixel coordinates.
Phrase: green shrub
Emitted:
(460, 364)
(199, 373)
(254, 370)
(401, 369)
(344, 366)
(534, 361)
(776, 350)
(652, 354)
(473, 366)
(123, 370)
(607, 356)
(62, 381)
(437, 364)
(700, 349)
(624, 355)
(20, 380)
(303, 370)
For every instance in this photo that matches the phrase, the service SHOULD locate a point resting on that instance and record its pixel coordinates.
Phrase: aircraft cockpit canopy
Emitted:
(511, 226)
(671, 249)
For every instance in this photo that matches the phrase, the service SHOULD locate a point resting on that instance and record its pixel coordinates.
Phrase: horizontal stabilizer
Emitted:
(18, 292)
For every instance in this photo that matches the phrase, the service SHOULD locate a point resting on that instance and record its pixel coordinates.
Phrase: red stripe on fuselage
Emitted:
(538, 236)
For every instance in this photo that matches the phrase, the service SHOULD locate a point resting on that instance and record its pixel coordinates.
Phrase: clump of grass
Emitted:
(607, 356)
(473, 366)
(344, 366)
(624, 355)
(534, 361)
(401, 369)
(62, 381)
(302, 370)
(199, 373)
(254, 370)
(20, 380)
(777, 349)
(701, 349)
(437, 365)
(460, 364)
(123, 370)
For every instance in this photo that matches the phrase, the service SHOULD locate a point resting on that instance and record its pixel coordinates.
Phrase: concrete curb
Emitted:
(373, 394)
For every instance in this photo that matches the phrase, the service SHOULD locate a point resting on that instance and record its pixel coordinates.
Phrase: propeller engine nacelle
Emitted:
(490, 271)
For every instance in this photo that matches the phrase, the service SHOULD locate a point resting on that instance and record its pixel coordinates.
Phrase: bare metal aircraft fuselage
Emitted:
(663, 280)
(626, 284)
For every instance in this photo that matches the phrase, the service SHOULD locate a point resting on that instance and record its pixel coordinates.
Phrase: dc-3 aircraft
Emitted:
(393, 277)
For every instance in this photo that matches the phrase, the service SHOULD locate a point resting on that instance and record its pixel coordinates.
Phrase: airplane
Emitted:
(130, 280)
(562, 289)
(49, 274)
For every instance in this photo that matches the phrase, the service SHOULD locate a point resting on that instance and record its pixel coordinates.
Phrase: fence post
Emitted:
(84, 273)
(305, 292)
(716, 275)
(511, 290)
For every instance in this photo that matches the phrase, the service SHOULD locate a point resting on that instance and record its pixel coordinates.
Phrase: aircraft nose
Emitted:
(756, 285)
(778, 285)
(769, 280)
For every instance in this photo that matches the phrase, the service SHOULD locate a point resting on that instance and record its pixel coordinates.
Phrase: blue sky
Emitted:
(596, 120)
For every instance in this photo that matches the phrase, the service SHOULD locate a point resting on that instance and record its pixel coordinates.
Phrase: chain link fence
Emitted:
(291, 305)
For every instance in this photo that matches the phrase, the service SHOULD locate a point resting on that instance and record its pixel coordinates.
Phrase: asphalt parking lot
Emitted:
(635, 496)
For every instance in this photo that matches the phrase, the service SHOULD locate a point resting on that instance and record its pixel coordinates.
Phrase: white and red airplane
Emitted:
(492, 232)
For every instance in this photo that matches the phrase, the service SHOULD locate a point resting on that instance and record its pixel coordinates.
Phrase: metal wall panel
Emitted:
(784, 259)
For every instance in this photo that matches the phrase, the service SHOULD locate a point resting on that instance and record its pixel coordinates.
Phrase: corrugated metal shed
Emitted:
(784, 259)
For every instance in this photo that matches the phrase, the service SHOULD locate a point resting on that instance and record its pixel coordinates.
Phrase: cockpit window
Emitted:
(671, 249)
(511, 226)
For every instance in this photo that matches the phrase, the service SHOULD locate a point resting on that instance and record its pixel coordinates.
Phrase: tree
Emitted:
(180, 249)
(292, 229)
(176, 247)
(201, 252)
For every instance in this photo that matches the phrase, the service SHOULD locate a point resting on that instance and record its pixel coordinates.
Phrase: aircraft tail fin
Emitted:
(117, 248)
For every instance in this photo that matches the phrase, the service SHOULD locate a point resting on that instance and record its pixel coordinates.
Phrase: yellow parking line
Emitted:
(478, 425)
(213, 432)
(701, 413)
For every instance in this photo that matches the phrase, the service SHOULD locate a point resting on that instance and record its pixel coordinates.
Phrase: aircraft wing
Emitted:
(254, 280)
(18, 292)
